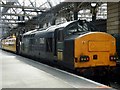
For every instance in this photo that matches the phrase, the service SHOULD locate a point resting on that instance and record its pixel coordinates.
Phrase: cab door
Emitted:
(58, 43)
(55, 43)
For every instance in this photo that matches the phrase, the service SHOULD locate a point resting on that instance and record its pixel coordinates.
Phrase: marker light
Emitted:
(84, 58)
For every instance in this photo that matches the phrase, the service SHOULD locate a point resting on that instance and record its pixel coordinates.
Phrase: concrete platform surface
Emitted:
(20, 72)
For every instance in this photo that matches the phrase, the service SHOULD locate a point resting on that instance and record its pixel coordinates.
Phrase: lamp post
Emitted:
(93, 11)
(75, 11)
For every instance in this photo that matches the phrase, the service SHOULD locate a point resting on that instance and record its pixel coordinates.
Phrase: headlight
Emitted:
(113, 58)
(84, 58)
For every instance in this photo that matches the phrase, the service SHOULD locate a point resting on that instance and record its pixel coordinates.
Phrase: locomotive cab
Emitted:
(82, 48)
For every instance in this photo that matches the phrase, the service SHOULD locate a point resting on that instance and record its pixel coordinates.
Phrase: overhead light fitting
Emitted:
(93, 4)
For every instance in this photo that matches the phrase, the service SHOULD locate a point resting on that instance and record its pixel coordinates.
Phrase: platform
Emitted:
(20, 72)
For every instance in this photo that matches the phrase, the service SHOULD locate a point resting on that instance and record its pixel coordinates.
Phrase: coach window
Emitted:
(10, 42)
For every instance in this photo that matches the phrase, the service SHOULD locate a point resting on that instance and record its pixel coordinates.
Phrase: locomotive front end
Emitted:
(95, 49)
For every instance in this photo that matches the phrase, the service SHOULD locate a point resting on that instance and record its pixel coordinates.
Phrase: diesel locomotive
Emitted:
(72, 45)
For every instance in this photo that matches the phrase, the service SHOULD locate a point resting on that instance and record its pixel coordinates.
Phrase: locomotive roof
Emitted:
(49, 29)
(52, 28)
(29, 32)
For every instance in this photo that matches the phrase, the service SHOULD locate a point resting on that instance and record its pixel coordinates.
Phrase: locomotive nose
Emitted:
(94, 49)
